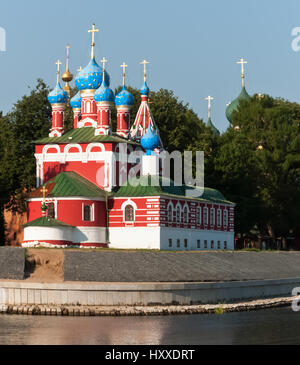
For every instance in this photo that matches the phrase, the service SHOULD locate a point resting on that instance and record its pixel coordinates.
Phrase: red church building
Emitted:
(81, 199)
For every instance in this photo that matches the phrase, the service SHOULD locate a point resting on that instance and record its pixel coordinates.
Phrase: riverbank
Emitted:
(54, 310)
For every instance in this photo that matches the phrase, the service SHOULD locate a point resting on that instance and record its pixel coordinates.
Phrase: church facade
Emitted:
(80, 197)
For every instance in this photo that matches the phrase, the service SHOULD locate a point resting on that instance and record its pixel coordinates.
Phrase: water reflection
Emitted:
(271, 326)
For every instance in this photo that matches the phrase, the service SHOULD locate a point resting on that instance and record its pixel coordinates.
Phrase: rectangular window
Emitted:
(219, 244)
(170, 242)
(225, 218)
(198, 244)
(198, 216)
(50, 210)
(225, 245)
(88, 212)
(212, 216)
(205, 243)
(185, 243)
(205, 216)
(212, 244)
(178, 243)
(219, 218)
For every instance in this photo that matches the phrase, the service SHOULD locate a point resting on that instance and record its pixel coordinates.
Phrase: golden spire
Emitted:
(58, 63)
(145, 71)
(93, 30)
(104, 60)
(124, 68)
(67, 76)
(242, 62)
(209, 99)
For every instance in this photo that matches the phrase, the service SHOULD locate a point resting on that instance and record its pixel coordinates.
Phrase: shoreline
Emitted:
(88, 310)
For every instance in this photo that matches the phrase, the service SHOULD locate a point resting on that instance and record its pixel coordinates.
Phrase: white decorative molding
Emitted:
(82, 123)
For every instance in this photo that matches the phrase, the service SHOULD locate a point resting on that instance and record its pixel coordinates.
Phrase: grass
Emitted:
(220, 309)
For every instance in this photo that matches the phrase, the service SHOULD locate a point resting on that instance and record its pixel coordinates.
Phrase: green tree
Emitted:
(259, 161)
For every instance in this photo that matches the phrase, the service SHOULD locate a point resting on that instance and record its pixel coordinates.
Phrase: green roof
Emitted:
(69, 184)
(83, 135)
(46, 222)
(214, 129)
(144, 188)
(233, 106)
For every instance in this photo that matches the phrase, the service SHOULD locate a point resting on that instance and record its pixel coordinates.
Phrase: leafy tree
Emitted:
(29, 120)
(259, 161)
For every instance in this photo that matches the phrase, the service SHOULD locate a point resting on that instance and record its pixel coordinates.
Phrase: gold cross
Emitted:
(58, 63)
(209, 98)
(145, 71)
(242, 62)
(104, 60)
(124, 68)
(93, 31)
(44, 191)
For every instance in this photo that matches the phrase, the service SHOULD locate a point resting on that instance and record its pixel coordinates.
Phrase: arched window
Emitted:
(50, 210)
(88, 107)
(129, 213)
(170, 213)
(185, 215)
(87, 213)
(178, 214)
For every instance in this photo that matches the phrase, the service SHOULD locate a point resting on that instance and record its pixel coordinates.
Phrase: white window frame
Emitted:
(178, 209)
(92, 211)
(205, 216)
(225, 218)
(170, 205)
(219, 218)
(199, 215)
(185, 209)
(212, 214)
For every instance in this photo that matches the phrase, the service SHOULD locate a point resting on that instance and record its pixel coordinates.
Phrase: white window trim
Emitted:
(225, 218)
(219, 215)
(199, 216)
(205, 214)
(212, 213)
(187, 214)
(180, 213)
(172, 215)
(92, 212)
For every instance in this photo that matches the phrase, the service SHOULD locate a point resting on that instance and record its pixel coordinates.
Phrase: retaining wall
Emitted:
(22, 293)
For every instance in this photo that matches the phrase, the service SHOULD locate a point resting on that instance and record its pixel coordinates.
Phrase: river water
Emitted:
(267, 326)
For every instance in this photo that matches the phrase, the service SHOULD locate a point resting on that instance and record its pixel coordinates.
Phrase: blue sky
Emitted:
(192, 46)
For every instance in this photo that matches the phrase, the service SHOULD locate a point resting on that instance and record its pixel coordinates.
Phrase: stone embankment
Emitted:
(146, 310)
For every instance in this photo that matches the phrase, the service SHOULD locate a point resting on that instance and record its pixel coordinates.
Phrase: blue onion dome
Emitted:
(90, 77)
(233, 106)
(58, 95)
(144, 90)
(75, 102)
(104, 93)
(124, 97)
(150, 141)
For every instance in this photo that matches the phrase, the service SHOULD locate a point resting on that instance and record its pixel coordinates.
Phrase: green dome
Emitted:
(235, 103)
(214, 129)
